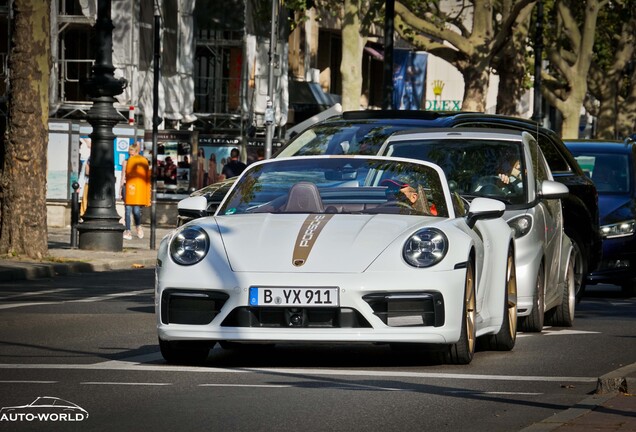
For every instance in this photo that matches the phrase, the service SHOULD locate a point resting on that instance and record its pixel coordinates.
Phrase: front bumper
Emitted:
(372, 308)
(619, 262)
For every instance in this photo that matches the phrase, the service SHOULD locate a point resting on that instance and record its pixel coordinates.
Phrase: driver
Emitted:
(405, 193)
(513, 174)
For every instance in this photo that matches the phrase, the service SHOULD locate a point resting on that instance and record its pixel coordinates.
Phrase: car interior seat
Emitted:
(304, 197)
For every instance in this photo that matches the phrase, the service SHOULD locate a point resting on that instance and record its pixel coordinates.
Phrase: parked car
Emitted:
(612, 167)
(364, 132)
(508, 166)
(339, 249)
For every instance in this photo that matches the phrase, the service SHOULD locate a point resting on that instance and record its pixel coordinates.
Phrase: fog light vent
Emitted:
(191, 307)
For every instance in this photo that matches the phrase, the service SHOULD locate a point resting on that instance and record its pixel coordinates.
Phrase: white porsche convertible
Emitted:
(338, 249)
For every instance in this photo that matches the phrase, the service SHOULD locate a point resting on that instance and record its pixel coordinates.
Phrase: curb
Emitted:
(31, 270)
(608, 386)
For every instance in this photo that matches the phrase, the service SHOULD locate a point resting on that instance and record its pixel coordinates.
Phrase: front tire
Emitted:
(184, 352)
(579, 266)
(463, 351)
(506, 338)
(534, 322)
(563, 314)
(628, 288)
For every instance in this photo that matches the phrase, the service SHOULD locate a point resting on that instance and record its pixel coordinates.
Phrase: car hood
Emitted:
(314, 243)
(616, 208)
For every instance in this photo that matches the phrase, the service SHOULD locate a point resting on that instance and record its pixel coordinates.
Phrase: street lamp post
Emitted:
(100, 229)
(271, 108)
(389, 28)
(537, 115)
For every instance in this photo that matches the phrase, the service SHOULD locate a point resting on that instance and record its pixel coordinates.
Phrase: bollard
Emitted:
(75, 208)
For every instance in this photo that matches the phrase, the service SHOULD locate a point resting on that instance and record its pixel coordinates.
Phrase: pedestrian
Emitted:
(213, 175)
(170, 171)
(202, 169)
(85, 150)
(135, 189)
(234, 166)
(84, 176)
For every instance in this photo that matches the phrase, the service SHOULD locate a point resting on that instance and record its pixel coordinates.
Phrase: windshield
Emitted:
(473, 167)
(338, 185)
(336, 138)
(610, 172)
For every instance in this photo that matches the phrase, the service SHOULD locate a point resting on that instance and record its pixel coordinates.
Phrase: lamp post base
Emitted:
(101, 236)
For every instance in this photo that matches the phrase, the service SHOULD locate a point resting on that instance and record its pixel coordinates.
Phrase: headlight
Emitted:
(425, 248)
(189, 246)
(621, 229)
(520, 225)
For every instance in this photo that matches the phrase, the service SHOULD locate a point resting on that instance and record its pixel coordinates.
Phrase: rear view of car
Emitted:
(612, 167)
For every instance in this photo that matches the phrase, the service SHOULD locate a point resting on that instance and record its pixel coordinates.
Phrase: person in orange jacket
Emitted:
(135, 189)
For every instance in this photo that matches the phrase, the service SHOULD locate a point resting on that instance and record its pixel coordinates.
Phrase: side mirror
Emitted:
(553, 190)
(484, 208)
(194, 207)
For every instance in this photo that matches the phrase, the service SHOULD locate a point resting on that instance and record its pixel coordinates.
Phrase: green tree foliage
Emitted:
(570, 32)
(468, 34)
(358, 20)
(512, 64)
(612, 77)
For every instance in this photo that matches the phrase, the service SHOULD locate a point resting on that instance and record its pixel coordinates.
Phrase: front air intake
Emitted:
(191, 307)
(408, 309)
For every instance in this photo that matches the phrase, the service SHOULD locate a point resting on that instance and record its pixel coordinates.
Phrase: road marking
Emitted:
(129, 366)
(83, 300)
(568, 332)
(547, 332)
(124, 383)
(246, 385)
(34, 293)
(17, 305)
(113, 295)
(26, 382)
(503, 393)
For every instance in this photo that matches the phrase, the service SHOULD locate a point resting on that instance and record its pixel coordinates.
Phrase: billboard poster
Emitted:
(174, 161)
(212, 154)
(58, 161)
(409, 76)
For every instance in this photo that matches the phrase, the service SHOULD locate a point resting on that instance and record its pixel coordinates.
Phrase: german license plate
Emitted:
(294, 297)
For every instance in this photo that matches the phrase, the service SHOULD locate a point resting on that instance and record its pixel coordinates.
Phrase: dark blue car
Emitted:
(612, 167)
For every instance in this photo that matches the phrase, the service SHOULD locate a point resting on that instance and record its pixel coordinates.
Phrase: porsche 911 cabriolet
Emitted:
(351, 249)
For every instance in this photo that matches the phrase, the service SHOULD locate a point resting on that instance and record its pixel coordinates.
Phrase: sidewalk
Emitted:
(613, 408)
(63, 259)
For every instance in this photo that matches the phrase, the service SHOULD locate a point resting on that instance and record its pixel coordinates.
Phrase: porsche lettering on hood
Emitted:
(307, 236)
(344, 244)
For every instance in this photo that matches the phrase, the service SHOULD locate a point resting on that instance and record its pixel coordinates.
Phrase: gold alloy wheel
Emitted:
(470, 310)
(511, 287)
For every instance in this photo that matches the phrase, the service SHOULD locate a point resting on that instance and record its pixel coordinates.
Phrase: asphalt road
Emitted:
(90, 339)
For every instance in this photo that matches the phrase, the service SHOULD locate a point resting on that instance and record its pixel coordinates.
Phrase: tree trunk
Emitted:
(23, 224)
(511, 70)
(627, 109)
(607, 112)
(573, 66)
(352, 48)
(475, 88)
(511, 65)
(572, 105)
